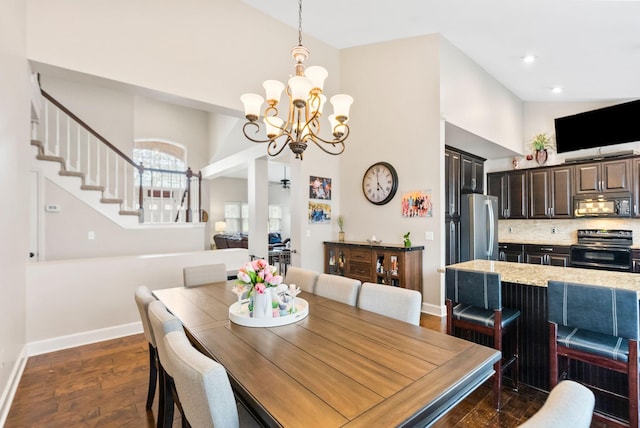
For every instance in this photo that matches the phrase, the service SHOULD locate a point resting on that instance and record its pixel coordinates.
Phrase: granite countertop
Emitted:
(536, 242)
(523, 273)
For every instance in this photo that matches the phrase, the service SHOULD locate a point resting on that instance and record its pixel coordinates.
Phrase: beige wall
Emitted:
(396, 118)
(14, 180)
(474, 101)
(196, 49)
(92, 299)
(108, 111)
(185, 126)
(67, 231)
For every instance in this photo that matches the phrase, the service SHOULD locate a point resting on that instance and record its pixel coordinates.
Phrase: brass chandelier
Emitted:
(306, 103)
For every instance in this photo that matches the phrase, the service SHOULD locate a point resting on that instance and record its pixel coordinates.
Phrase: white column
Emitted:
(258, 200)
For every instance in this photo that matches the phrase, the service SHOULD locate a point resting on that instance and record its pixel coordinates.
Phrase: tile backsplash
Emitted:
(541, 231)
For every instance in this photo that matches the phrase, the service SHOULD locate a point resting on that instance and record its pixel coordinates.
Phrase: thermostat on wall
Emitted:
(52, 208)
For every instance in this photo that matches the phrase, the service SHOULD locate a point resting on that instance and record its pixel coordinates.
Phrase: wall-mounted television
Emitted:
(598, 128)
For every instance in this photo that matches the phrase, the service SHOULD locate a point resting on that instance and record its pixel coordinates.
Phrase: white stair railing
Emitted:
(102, 166)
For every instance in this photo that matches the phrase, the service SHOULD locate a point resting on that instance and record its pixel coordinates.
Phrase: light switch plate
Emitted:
(428, 236)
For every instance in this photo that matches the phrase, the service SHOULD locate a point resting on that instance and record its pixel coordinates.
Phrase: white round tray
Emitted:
(239, 314)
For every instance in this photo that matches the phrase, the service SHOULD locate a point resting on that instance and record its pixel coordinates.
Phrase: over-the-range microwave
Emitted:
(602, 205)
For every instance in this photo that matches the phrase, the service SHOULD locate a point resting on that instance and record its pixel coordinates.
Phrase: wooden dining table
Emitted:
(340, 366)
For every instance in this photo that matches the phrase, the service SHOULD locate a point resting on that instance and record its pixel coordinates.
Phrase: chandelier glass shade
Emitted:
(306, 102)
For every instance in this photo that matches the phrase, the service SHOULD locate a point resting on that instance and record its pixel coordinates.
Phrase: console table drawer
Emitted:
(360, 255)
(359, 270)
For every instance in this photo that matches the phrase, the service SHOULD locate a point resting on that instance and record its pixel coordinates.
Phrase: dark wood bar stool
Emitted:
(596, 325)
(474, 304)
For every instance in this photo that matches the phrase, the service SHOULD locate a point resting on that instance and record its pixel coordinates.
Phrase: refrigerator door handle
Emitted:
(491, 228)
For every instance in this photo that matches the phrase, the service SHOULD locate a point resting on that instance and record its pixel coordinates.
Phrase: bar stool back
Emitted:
(597, 325)
(474, 304)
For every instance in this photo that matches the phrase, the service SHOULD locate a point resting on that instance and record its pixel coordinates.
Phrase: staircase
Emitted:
(64, 172)
(77, 151)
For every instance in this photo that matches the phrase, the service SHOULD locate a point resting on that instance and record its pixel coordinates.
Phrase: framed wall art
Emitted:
(319, 188)
(319, 212)
(417, 204)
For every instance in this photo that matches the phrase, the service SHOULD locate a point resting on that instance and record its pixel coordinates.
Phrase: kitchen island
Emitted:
(530, 274)
(524, 287)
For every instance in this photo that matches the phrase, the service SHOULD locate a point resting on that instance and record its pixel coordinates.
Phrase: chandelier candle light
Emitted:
(306, 103)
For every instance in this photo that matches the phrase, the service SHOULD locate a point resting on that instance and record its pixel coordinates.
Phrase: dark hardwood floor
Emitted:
(105, 385)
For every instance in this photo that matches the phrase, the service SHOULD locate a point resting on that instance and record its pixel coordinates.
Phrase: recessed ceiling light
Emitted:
(529, 59)
(556, 90)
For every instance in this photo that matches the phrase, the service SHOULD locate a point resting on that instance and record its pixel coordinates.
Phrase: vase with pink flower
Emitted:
(257, 278)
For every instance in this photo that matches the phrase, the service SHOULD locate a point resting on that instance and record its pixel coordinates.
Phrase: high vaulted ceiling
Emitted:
(589, 48)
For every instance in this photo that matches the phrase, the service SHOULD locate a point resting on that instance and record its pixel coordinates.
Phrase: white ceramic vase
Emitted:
(262, 304)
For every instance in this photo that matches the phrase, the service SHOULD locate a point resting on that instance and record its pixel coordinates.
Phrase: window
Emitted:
(236, 215)
(162, 191)
(160, 155)
(275, 218)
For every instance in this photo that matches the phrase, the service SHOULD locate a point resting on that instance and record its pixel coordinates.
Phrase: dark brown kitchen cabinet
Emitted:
(603, 177)
(464, 173)
(511, 253)
(550, 255)
(511, 189)
(452, 180)
(635, 261)
(550, 192)
(452, 246)
(471, 174)
(635, 170)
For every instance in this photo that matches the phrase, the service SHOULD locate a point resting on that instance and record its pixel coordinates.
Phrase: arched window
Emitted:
(160, 155)
(163, 192)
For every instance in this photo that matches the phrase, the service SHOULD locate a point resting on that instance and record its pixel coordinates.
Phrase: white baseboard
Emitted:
(10, 390)
(436, 310)
(84, 338)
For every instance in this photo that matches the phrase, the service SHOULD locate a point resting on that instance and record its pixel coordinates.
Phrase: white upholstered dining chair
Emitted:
(195, 276)
(339, 288)
(204, 388)
(143, 297)
(303, 278)
(394, 302)
(162, 323)
(569, 404)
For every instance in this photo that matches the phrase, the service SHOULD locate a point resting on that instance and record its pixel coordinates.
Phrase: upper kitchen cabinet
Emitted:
(550, 192)
(472, 174)
(511, 189)
(636, 186)
(602, 177)
(452, 180)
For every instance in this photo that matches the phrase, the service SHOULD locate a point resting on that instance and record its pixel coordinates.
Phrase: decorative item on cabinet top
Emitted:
(540, 145)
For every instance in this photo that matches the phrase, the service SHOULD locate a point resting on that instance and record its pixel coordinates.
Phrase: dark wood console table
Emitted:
(389, 264)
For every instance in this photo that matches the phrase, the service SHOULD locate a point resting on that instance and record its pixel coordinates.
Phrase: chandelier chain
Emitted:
(300, 22)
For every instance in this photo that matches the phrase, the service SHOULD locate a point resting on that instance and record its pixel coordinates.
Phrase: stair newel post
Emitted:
(140, 200)
(188, 191)
(200, 195)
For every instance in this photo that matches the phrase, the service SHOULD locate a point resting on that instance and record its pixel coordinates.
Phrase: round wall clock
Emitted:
(379, 183)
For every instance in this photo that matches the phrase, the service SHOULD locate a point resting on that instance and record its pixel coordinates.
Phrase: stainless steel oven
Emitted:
(603, 249)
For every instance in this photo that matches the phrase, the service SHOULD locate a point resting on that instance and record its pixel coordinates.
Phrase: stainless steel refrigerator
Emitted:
(478, 227)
